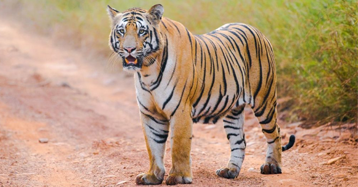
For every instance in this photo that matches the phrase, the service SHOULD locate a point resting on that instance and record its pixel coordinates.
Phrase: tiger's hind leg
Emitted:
(271, 130)
(233, 124)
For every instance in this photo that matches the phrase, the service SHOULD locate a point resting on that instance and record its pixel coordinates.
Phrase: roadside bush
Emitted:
(315, 42)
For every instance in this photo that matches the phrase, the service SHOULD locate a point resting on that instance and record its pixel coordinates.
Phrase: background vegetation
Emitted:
(315, 42)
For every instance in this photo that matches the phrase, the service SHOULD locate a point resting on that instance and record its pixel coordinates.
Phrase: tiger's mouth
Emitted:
(132, 63)
(130, 60)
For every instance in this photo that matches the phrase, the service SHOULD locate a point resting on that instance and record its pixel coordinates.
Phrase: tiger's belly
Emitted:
(215, 105)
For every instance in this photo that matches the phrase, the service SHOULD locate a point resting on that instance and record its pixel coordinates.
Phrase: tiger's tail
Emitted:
(290, 143)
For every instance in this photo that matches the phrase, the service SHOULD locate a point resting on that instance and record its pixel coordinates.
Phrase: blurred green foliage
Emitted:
(315, 42)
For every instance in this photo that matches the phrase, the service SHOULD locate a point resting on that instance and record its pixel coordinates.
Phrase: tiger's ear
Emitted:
(156, 12)
(111, 12)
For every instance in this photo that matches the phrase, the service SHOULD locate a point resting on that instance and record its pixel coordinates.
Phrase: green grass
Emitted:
(315, 42)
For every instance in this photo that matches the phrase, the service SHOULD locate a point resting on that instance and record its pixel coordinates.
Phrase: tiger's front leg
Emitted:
(155, 133)
(181, 135)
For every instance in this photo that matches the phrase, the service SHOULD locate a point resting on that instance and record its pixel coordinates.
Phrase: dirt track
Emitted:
(92, 122)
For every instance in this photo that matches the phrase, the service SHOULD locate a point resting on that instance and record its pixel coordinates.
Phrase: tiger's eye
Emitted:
(121, 31)
(141, 31)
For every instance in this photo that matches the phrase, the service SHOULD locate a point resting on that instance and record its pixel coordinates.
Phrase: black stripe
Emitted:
(259, 60)
(235, 78)
(175, 65)
(133, 13)
(222, 51)
(160, 141)
(226, 121)
(265, 101)
(243, 61)
(170, 97)
(189, 38)
(243, 35)
(231, 127)
(224, 79)
(164, 25)
(196, 50)
(228, 39)
(269, 64)
(157, 40)
(237, 149)
(221, 96)
(224, 107)
(209, 92)
(202, 57)
(162, 122)
(148, 20)
(181, 97)
(141, 83)
(240, 141)
(232, 117)
(205, 104)
(191, 86)
(231, 134)
(142, 104)
(162, 68)
(260, 79)
(252, 35)
(213, 45)
(273, 141)
(174, 26)
(201, 93)
(270, 130)
(151, 128)
(203, 83)
(259, 35)
(269, 116)
(260, 113)
(238, 112)
(207, 111)
(163, 136)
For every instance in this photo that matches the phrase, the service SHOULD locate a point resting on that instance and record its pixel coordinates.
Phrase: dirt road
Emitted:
(91, 121)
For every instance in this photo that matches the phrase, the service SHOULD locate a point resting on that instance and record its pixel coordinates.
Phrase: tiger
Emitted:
(181, 78)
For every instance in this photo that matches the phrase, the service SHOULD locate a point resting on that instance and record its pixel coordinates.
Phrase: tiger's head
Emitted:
(135, 35)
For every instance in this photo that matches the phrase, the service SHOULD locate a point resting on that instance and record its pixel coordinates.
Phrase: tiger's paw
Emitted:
(229, 173)
(147, 179)
(174, 179)
(270, 169)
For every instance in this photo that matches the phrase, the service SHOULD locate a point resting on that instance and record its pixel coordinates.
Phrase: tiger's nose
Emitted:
(129, 49)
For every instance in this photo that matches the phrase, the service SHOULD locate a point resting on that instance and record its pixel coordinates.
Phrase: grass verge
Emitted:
(315, 42)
